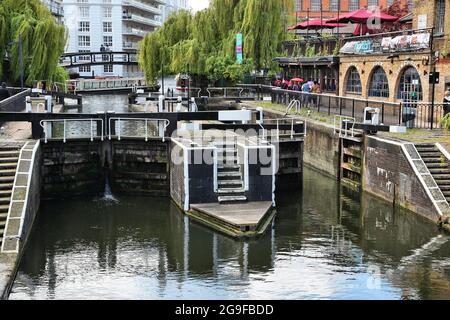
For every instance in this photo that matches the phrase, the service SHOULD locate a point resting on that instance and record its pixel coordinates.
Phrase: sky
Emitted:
(198, 4)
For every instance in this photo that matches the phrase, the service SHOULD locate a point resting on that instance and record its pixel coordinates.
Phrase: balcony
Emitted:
(134, 32)
(130, 46)
(141, 20)
(55, 8)
(388, 43)
(141, 6)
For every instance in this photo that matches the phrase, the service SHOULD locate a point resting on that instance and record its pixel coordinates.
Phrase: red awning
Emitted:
(363, 16)
(316, 24)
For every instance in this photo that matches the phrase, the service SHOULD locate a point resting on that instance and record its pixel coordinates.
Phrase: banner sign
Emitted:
(239, 51)
(388, 44)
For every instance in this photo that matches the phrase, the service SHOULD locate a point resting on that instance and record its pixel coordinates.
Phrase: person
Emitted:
(4, 93)
(296, 87)
(306, 89)
(102, 48)
(447, 103)
(316, 90)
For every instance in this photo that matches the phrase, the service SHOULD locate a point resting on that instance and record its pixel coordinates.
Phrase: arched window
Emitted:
(353, 81)
(410, 86)
(379, 85)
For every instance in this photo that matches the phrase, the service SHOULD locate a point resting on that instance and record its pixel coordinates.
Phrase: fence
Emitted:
(411, 114)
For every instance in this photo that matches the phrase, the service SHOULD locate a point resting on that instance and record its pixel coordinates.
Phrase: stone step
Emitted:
(426, 155)
(5, 200)
(3, 224)
(9, 153)
(230, 176)
(231, 183)
(8, 179)
(433, 160)
(229, 168)
(445, 187)
(7, 172)
(232, 191)
(437, 165)
(3, 216)
(5, 193)
(6, 186)
(441, 177)
(232, 199)
(9, 160)
(226, 152)
(443, 183)
(439, 171)
(4, 208)
(8, 165)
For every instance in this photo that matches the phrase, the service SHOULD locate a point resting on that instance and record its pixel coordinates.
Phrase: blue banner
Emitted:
(239, 48)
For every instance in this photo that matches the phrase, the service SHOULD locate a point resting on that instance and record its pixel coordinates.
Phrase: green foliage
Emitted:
(310, 50)
(445, 122)
(43, 40)
(205, 42)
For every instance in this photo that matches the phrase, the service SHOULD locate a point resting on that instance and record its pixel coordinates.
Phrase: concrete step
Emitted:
(433, 160)
(425, 147)
(445, 187)
(5, 193)
(229, 168)
(426, 155)
(7, 172)
(441, 177)
(439, 171)
(8, 179)
(229, 176)
(227, 152)
(232, 199)
(5, 200)
(8, 165)
(3, 216)
(231, 184)
(9, 160)
(9, 153)
(443, 183)
(4, 208)
(3, 224)
(6, 186)
(437, 165)
(231, 192)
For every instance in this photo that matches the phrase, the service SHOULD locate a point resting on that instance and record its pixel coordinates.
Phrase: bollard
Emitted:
(243, 121)
(194, 105)
(161, 108)
(161, 102)
(28, 105)
(49, 109)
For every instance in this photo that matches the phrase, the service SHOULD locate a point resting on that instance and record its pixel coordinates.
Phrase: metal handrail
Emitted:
(146, 121)
(293, 103)
(225, 89)
(339, 129)
(65, 121)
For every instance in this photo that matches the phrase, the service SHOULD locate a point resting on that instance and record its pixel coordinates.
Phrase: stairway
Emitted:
(438, 166)
(230, 180)
(9, 157)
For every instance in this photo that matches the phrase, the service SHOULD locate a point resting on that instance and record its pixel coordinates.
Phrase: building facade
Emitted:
(171, 6)
(56, 9)
(331, 8)
(118, 25)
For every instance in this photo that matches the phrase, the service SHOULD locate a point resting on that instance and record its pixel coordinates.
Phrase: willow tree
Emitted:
(42, 39)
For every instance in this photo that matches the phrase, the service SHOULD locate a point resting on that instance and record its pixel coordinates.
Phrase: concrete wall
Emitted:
(388, 174)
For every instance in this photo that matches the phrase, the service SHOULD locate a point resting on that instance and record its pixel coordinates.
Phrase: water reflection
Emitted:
(327, 242)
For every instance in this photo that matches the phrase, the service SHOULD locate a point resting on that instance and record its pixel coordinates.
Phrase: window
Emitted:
(298, 5)
(84, 69)
(107, 27)
(108, 41)
(353, 5)
(372, 3)
(354, 81)
(84, 58)
(329, 80)
(440, 17)
(82, 1)
(316, 5)
(84, 26)
(84, 12)
(106, 1)
(108, 68)
(334, 5)
(107, 12)
(84, 41)
(410, 86)
(379, 85)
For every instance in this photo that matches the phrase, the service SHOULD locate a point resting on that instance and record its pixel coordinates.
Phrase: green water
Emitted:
(326, 243)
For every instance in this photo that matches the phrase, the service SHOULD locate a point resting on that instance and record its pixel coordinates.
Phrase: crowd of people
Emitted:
(311, 88)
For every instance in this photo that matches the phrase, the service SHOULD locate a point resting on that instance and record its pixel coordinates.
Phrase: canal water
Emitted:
(326, 242)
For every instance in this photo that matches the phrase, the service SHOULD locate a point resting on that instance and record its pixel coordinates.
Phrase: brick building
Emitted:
(397, 67)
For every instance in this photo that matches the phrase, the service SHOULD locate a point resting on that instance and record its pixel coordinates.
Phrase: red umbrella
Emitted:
(316, 24)
(297, 80)
(365, 16)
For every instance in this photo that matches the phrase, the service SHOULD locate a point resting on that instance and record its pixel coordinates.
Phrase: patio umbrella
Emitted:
(316, 24)
(297, 80)
(363, 16)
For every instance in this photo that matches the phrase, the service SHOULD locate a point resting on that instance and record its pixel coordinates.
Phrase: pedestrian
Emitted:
(306, 89)
(447, 103)
(102, 48)
(4, 93)
(316, 91)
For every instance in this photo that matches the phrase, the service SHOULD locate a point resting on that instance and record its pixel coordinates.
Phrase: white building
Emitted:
(173, 6)
(118, 24)
(56, 9)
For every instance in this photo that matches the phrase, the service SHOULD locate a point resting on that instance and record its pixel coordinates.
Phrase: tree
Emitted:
(43, 41)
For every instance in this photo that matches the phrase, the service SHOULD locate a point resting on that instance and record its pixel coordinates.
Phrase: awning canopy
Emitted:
(363, 16)
(316, 24)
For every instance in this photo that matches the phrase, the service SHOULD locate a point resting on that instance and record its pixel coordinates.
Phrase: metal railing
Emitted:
(48, 124)
(345, 126)
(161, 125)
(294, 103)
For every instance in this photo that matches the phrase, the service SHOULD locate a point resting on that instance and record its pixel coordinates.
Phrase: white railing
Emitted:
(162, 125)
(141, 19)
(294, 103)
(225, 91)
(281, 121)
(344, 130)
(46, 124)
(142, 6)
